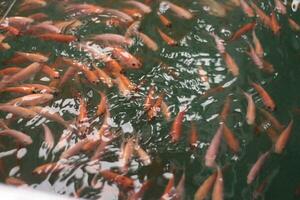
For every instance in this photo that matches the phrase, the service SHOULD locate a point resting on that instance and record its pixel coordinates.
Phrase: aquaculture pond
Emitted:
(148, 99)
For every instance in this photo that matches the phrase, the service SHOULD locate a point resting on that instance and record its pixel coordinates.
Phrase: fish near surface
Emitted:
(212, 151)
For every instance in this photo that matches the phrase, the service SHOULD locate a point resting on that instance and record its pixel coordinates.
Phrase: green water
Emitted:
(196, 47)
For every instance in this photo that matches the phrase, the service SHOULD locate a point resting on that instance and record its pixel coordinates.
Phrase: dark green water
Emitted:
(196, 47)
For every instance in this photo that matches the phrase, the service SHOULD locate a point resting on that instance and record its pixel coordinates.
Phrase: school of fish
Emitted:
(32, 82)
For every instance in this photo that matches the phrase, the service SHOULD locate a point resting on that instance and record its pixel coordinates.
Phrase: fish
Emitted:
(264, 18)
(151, 44)
(57, 37)
(262, 186)
(170, 41)
(251, 109)
(257, 166)
(38, 16)
(119, 14)
(52, 73)
(293, 24)
(126, 154)
(283, 138)
(217, 193)
(41, 88)
(53, 167)
(165, 110)
(126, 59)
(48, 135)
(139, 194)
(22, 75)
(111, 39)
(179, 193)
(193, 136)
(168, 190)
(246, 8)
(153, 111)
(231, 64)
(121, 180)
(254, 57)
(20, 137)
(73, 150)
(219, 43)
(113, 67)
(232, 142)
(31, 100)
(10, 71)
(41, 28)
(258, 47)
(215, 8)
(275, 27)
(133, 12)
(226, 109)
(15, 181)
(272, 119)
(164, 20)
(69, 74)
(178, 10)
(205, 187)
(83, 9)
(212, 151)
(266, 98)
(149, 101)
(103, 77)
(242, 31)
(176, 129)
(141, 6)
(18, 111)
(20, 90)
(49, 114)
(143, 155)
(102, 106)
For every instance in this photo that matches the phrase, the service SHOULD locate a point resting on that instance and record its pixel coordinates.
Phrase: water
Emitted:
(182, 87)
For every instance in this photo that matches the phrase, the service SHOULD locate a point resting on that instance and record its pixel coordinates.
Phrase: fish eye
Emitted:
(133, 64)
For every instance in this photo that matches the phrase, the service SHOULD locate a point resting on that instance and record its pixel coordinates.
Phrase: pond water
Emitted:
(191, 82)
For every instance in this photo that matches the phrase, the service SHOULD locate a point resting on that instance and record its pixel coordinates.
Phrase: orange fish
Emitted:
(153, 111)
(265, 19)
(231, 64)
(15, 181)
(164, 20)
(243, 30)
(275, 27)
(251, 109)
(165, 110)
(205, 187)
(49, 167)
(170, 41)
(226, 109)
(126, 59)
(293, 24)
(149, 101)
(126, 154)
(102, 76)
(232, 141)
(167, 192)
(193, 137)
(176, 129)
(21, 138)
(258, 47)
(52, 73)
(217, 193)
(266, 98)
(48, 135)
(283, 138)
(273, 120)
(10, 70)
(121, 180)
(256, 168)
(213, 149)
(102, 106)
(57, 37)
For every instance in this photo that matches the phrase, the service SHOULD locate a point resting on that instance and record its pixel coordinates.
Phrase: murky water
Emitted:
(173, 71)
